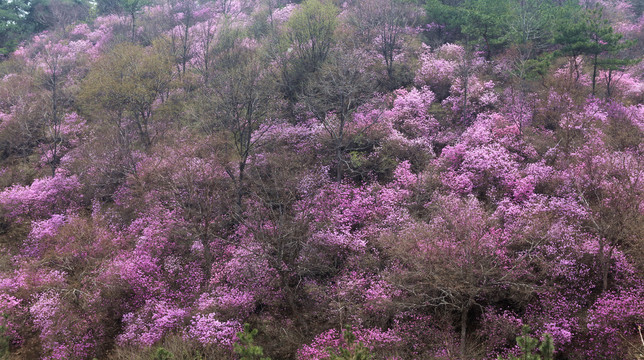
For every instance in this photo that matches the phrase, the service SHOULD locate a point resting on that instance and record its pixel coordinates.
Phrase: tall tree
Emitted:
(482, 21)
(607, 44)
(21, 18)
(307, 41)
(589, 34)
(333, 95)
(126, 83)
(383, 23)
(132, 8)
(180, 36)
(65, 13)
(457, 262)
(239, 90)
(310, 32)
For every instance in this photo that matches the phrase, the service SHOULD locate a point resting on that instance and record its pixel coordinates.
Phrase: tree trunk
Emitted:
(133, 27)
(606, 269)
(604, 264)
(55, 125)
(338, 145)
(608, 81)
(338, 170)
(466, 76)
(207, 255)
(240, 185)
(464, 318)
(594, 73)
(186, 37)
(466, 79)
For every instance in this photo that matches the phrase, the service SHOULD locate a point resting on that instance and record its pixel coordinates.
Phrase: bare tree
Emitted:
(456, 263)
(384, 22)
(334, 94)
(67, 12)
(56, 65)
(181, 42)
(240, 94)
(205, 39)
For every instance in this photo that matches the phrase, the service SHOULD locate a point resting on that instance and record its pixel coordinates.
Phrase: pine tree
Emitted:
(246, 347)
(533, 349)
(353, 351)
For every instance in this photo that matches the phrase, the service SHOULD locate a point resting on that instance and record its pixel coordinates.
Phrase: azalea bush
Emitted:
(434, 177)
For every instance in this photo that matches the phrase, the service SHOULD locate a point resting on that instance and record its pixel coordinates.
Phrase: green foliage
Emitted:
(309, 32)
(11, 24)
(162, 354)
(246, 348)
(533, 26)
(588, 33)
(19, 19)
(536, 68)
(227, 51)
(574, 32)
(353, 351)
(128, 78)
(306, 42)
(530, 345)
(449, 15)
(104, 7)
(132, 6)
(486, 21)
(616, 64)
(126, 82)
(357, 159)
(530, 25)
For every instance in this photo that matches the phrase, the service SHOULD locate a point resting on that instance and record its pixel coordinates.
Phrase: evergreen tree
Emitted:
(353, 351)
(484, 21)
(533, 349)
(246, 348)
(12, 24)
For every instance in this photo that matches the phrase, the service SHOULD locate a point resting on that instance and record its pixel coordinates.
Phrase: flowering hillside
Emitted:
(370, 179)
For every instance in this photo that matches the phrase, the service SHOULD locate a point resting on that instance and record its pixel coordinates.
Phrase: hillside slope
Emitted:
(434, 176)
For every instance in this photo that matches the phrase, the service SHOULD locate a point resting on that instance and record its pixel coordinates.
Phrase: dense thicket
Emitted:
(384, 179)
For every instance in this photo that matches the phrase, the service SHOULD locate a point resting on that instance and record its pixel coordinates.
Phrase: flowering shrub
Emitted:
(150, 323)
(323, 345)
(613, 321)
(301, 170)
(42, 198)
(207, 330)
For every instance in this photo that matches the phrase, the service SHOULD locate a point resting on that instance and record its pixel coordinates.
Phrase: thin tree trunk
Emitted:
(133, 27)
(606, 269)
(464, 329)
(594, 73)
(240, 185)
(207, 255)
(338, 146)
(604, 264)
(338, 170)
(466, 75)
(55, 125)
(608, 81)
